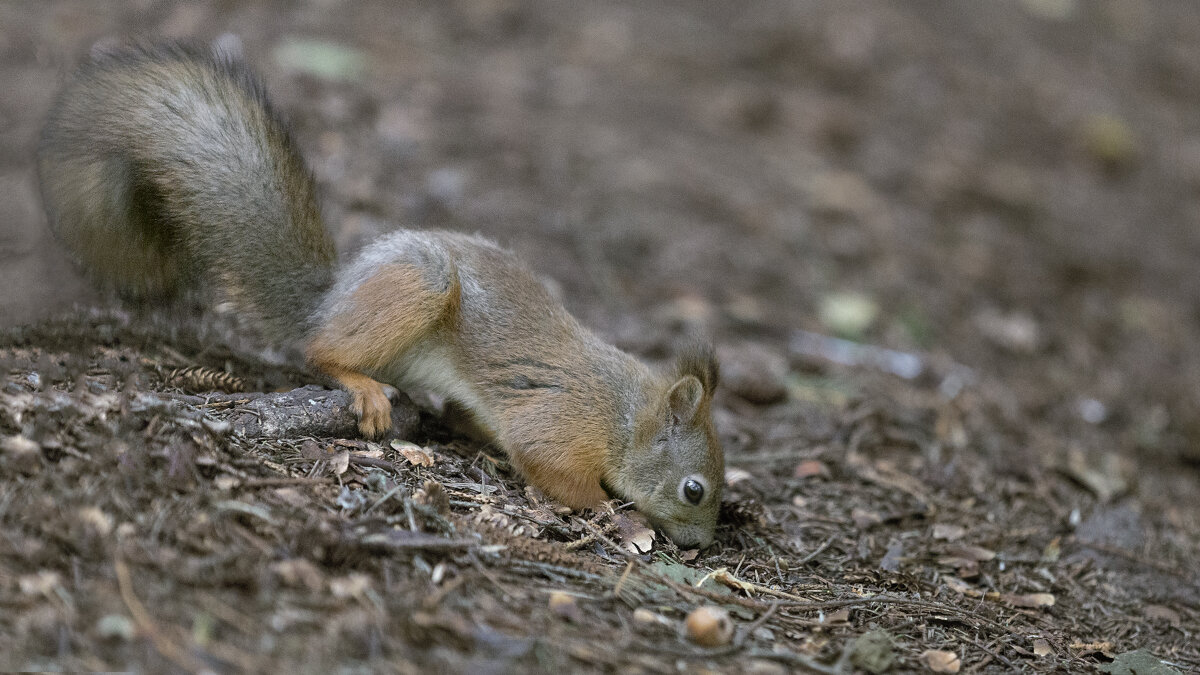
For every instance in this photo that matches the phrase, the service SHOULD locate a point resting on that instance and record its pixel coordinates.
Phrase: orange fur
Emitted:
(386, 315)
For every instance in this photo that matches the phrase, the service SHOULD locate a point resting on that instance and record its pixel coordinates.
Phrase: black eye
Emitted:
(693, 491)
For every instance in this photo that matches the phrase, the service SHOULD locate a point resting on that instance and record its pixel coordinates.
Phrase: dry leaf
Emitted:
(1084, 648)
(1102, 475)
(689, 555)
(948, 532)
(311, 451)
(966, 568)
(415, 454)
(960, 586)
(433, 495)
(644, 617)
(837, 617)
(564, 605)
(1029, 600)
(940, 661)
(975, 553)
(734, 475)
(340, 462)
(299, 572)
(40, 583)
(863, 518)
(350, 586)
(101, 524)
(1041, 647)
(810, 468)
(722, 576)
(634, 533)
(373, 451)
(894, 556)
(1164, 613)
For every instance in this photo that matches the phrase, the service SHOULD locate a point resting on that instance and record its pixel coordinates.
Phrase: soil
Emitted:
(997, 205)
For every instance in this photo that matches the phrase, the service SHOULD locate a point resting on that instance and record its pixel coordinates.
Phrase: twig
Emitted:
(165, 646)
(824, 545)
(749, 630)
(616, 592)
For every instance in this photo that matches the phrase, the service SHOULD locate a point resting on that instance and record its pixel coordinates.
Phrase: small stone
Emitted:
(645, 618)
(116, 627)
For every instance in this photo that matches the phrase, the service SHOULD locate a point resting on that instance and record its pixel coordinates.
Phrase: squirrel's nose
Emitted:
(690, 537)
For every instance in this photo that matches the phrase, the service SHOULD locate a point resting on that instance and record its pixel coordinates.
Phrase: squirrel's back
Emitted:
(158, 164)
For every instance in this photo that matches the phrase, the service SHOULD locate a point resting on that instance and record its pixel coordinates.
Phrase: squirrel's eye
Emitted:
(693, 491)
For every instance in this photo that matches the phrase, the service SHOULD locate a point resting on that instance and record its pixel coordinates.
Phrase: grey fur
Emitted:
(159, 164)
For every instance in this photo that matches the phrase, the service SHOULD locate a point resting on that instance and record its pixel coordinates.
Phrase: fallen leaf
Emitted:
(810, 468)
(1029, 600)
(645, 617)
(373, 451)
(965, 567)
(959, 586)
(948, 532)
(837, 617)
(1041, 647)
(1137, 662)
(682, 574)
(433, 495)
(722, 575)
(864, 519)
(40, 583)
(689, 555)
(847, 314)
(326, 59)
(1160, 612)
(1102, 475)
(891, 559)
(340, 462)
(1053, 550)
(299, 572)
(563, 605)
(415, 454)
(311, 450)
(976, 553)
(940, 661)
(634, 533)
(873, 652)
(734, 475)
(1085, 648)
(350, 586)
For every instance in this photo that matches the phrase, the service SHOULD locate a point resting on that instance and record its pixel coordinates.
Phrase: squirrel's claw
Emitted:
(373, 409)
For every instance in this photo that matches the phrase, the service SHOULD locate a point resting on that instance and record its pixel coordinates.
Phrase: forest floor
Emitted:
(996, 205)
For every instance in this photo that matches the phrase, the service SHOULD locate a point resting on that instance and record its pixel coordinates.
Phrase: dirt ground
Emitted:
(996, 203)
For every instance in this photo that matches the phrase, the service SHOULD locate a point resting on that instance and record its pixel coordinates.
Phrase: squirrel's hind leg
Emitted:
(370, 329)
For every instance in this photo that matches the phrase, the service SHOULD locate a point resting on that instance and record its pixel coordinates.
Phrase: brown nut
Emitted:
(709, 626)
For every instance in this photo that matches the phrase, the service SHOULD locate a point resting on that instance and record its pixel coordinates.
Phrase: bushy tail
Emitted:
(159, 164)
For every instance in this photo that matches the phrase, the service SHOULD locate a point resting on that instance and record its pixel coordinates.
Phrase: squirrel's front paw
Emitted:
(373, 409)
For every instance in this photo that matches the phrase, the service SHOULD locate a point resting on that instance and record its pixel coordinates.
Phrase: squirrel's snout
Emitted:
(688, 536)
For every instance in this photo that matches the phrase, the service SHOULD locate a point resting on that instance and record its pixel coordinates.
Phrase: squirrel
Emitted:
(162, 163)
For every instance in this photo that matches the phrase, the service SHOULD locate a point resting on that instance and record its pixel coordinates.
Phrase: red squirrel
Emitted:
(162, 163)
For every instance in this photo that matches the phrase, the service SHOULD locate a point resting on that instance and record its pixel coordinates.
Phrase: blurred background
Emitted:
(1003, 194)
(1010, 185)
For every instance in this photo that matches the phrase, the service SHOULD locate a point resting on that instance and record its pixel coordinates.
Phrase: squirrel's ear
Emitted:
(699, 361)
(684, 398)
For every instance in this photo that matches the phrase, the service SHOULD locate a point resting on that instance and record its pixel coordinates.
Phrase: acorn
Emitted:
(709, 626)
